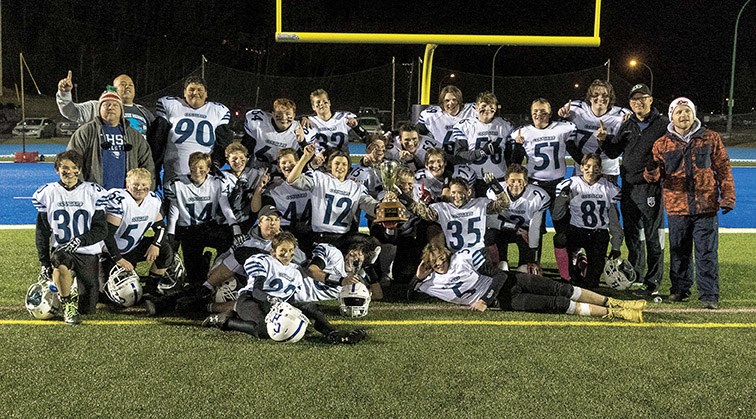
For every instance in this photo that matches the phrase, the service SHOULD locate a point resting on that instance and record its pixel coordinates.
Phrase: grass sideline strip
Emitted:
(519, 323)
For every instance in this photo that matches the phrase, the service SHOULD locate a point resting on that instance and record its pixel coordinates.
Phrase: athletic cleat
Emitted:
(626, 314)
(348, 337)
(629, 304)
(71, 313)
(216, 320)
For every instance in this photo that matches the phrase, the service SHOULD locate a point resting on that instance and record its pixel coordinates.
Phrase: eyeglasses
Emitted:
(605, 96)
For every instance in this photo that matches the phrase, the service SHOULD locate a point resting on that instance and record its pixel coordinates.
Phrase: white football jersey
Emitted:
(254, 241)
(424, 180)
(587, 123)
(463, 227)
(461, 284)
(333, 133)
(589, 204)
(238, 191)
(393, 152)
(334, 203)
(191, 204)
(136, 219)
(479, 135)
(426, 143)
(440, 124)
(314, 290)
(280, 281)
(268, 141)
(192, 130)
(295, 204)
(370, 177)
(545, 149)
(70, 213)
(465, 172)
(530, 205)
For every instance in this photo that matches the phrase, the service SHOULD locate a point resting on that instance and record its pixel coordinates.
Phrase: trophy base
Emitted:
(390, 212)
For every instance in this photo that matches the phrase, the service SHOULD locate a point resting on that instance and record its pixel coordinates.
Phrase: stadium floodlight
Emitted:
(433, 40)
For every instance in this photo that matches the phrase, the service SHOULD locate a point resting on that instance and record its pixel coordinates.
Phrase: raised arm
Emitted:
(296, 172)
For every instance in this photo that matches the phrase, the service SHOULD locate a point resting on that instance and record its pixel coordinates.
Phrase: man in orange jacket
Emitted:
(694, 168)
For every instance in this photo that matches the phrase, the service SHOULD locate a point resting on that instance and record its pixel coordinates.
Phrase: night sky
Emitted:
(687, 44)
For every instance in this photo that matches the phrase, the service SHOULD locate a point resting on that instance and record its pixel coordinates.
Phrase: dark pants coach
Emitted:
(642, 210)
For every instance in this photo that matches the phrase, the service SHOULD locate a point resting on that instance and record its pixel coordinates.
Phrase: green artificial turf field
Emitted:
(422, 360)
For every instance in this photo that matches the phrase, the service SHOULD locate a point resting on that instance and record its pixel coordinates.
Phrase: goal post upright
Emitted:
(432, 41)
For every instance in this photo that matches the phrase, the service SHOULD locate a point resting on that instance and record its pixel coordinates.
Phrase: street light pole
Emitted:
(493, 67)
(730, 101)
(636, 62)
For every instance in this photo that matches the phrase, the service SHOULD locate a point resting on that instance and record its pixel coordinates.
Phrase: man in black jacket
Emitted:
(641, 204)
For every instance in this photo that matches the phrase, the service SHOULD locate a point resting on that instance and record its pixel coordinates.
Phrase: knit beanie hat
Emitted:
(110, 94)
(679, 102)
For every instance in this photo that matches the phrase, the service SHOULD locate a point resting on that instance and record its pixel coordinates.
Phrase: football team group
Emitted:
(444, 199)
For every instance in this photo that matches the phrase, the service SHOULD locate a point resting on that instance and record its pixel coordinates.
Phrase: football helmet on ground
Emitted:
(286, 323)
(174, 278)
(618, 274)
(42, 301)
(354, 300)
(123, 287)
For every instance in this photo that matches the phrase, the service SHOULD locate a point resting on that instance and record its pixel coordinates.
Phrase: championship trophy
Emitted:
(390, 211)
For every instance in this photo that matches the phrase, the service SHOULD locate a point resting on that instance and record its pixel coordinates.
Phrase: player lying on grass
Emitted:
(273, 277)
(453, 278)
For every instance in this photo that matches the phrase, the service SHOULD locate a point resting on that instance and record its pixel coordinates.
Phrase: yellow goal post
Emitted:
(433, 40)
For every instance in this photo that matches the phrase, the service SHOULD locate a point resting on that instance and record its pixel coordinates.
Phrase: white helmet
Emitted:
(42, 301)
(174, 277)
(123, 287)
(286, 323)
(618, 274)
(354, 300)
(226, 292)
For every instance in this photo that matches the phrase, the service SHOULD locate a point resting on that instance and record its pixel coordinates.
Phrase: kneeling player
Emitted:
(453, 278)
(274, 277)
(73, 213)
(130, 213)
(520, 223)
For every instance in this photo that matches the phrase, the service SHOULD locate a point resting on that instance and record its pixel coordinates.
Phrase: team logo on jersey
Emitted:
(651, 201)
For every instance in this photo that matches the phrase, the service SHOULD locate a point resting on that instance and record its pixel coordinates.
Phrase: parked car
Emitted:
(371, 124)
(66, 128)
(35, 128)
